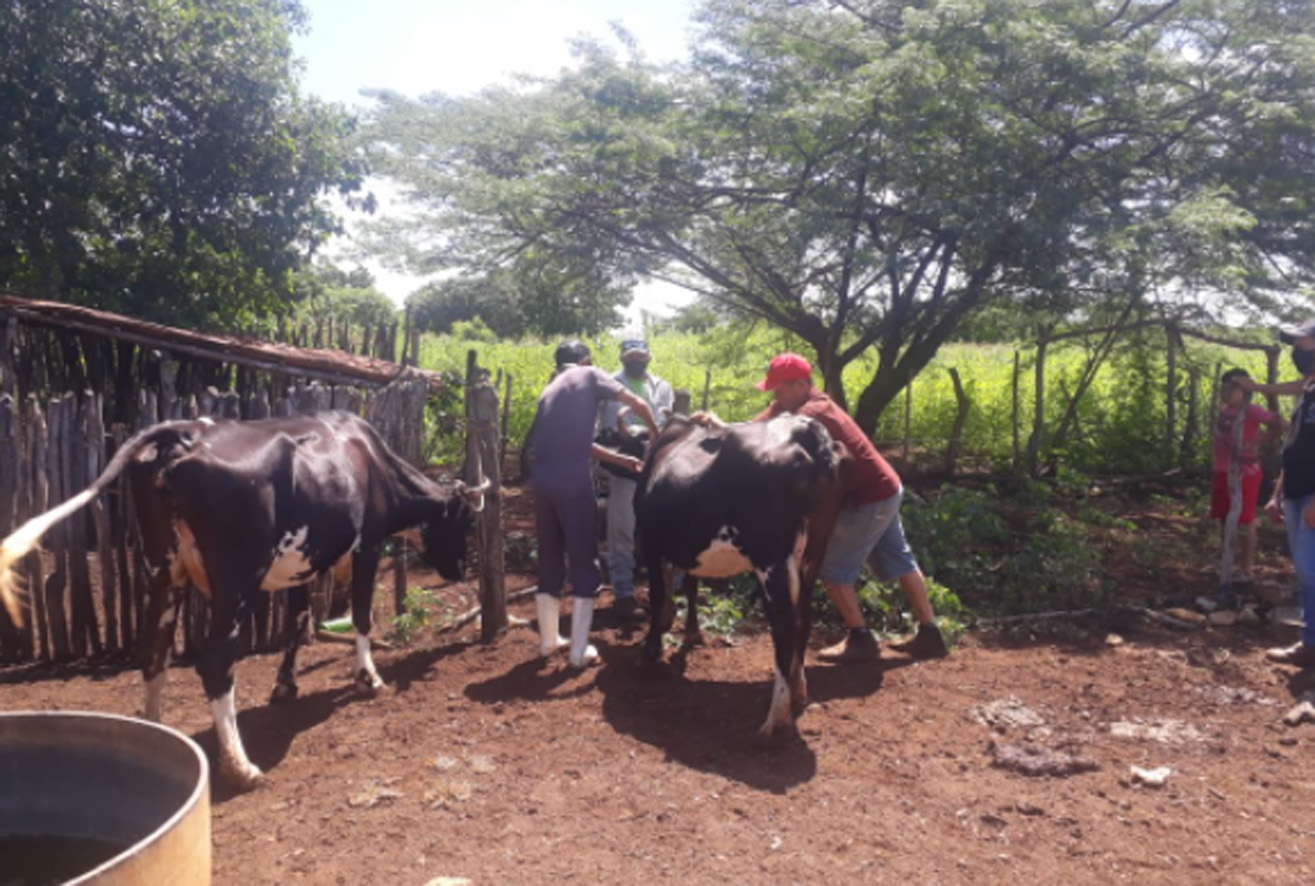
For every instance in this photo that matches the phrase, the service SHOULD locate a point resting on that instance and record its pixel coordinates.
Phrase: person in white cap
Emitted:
(635, 376)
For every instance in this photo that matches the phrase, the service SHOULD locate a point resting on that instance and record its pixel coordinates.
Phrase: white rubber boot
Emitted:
(582, 618)
(549, 640)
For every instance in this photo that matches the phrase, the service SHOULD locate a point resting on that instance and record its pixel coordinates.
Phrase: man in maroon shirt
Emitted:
(868, 528)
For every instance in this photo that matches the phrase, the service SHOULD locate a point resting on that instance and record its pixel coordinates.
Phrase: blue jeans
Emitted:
(871, 533)
(1301, 544)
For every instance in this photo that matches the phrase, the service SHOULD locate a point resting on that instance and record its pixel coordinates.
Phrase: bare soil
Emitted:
(480, 762)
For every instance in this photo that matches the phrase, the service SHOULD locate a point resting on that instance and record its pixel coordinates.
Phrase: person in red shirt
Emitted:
(1236, 405)
(868, 529)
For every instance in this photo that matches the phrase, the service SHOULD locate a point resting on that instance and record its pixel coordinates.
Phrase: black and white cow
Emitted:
(239, 508)
(760, 497)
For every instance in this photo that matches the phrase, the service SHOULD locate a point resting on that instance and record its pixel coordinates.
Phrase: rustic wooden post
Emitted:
(8, 339)
(680, 402)
(506, 413)
(109, 584)
(707, 384)
(908, 417)
(1170, 384)
(1038, 409)
(55, 539)
(960, 418)
(1014, 416)
(258, 405)
(482, 464)
(1192, 421)
(230, 405)
(121, 540)
(168, 386)
(12, 647)
(37, 499)
(85, 623)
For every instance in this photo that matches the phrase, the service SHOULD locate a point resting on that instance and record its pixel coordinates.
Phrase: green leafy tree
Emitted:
(327, 292)
(865, 175)
(157, 158)
(435, 307)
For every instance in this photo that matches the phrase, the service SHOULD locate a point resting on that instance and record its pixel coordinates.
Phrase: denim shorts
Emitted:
(870, 533)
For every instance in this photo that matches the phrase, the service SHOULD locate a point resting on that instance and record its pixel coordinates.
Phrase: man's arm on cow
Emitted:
(707, 419)
(639, 406)
(620, 459)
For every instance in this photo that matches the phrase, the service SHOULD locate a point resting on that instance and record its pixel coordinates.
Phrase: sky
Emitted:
(459, 46)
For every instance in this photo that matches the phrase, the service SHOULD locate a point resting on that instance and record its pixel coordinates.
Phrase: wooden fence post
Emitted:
(120, 521)
(1170, 388)
(56, 538)
(1192, 420)
(908, 417)
(1014, 415)
(1039, 409)
(482, 462)
(11, 638)
(960, 418)
(86, 626)
(37, 500)
(95, 462)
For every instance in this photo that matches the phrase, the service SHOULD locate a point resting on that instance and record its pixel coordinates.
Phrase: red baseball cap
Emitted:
(784, 368)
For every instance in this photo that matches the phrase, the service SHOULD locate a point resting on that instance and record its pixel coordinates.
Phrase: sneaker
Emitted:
(628, 609)
(1300, 655)
(928, 642)
(858, 645)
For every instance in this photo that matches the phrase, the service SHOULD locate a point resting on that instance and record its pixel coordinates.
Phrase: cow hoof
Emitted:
(243, 778)
(776, 734)
(368, 684)
(282, 693)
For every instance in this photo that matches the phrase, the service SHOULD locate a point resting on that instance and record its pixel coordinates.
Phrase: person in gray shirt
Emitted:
(565, 509)
(634, 375)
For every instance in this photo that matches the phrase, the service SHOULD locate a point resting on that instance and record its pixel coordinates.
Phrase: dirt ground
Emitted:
(481, 763)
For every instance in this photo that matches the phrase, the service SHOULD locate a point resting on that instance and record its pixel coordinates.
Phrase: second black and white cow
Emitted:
(241, 508)
(760, 497)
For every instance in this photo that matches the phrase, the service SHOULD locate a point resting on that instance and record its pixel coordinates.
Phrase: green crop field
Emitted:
(1121, 419)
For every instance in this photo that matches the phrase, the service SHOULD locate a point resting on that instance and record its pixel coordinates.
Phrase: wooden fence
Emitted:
(86, 591)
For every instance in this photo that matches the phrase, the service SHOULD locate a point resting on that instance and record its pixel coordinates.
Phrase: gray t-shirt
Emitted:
(564, 423)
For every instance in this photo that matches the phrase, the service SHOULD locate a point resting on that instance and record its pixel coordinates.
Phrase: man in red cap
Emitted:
(868, 529)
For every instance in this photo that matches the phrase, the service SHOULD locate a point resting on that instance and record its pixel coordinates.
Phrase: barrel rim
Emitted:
(199, 790)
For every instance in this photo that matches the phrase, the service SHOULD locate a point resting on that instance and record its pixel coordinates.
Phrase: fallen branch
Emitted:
(1074, 614)
(989, 623)
(470, 615)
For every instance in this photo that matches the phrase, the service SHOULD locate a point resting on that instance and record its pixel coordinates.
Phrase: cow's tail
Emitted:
(21, 541)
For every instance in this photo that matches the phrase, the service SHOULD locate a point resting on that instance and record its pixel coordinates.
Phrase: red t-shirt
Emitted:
(1223, 436)
(871, 478)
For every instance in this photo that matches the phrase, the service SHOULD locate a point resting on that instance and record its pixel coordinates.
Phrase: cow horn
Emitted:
(475, 492)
